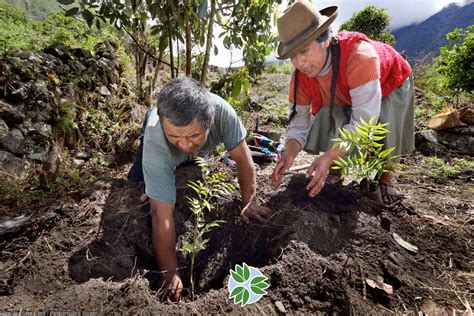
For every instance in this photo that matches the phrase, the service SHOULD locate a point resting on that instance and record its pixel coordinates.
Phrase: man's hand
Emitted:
(254, 211)
(173, 285)
(282, 167)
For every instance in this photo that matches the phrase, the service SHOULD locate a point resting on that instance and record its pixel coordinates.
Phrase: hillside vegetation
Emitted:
(34, 9)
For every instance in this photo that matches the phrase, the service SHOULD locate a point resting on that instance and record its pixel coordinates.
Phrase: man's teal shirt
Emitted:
(160, 157)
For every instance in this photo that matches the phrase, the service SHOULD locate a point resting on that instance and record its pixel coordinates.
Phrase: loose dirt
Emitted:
(90, 250)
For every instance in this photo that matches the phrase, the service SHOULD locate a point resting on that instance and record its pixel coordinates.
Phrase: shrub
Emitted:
(456, 61)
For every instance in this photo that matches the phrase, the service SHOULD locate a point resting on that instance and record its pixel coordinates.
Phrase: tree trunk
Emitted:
(137, 72)
(187, 28)
(208, 42)
(177, 57)
(171, 53)
(155, 78)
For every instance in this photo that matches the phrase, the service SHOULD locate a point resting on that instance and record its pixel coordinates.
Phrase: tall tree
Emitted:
(210, 32)
(373, 22)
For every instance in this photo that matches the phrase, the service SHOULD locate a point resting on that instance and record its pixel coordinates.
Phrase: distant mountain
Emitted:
(34, 9)
(428, 36)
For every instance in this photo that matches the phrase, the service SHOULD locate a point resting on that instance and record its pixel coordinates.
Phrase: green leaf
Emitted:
(258, 279)
(236, 292)
(72, 11)
(87, 15)
(239, 270)
(373, 120)
(362, 131)
(386, 152)
(236, 89)
(257, 290)
(66, 2)
(245, 297)
(241, 296)
(246, 271)
(237, 277)
(202, 9)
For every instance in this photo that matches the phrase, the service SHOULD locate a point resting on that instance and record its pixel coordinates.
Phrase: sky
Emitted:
(403, 12)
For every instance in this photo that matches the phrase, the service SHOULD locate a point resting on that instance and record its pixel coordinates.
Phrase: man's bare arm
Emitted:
(164, 244)
(246, 171)
(248, 184)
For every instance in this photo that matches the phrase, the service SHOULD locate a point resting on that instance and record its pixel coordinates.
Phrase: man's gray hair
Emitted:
(183, 99)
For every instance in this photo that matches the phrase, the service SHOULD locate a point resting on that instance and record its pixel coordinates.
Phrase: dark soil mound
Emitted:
(92, 252)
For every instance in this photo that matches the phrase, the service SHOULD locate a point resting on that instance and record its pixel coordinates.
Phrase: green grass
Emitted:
(277, 68)
(449, 169)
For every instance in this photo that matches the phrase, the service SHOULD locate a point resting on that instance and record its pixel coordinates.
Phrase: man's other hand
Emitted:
(254, 211)
(173, 285)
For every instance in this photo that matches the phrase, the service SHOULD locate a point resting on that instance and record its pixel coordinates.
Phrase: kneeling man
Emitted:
(188, 121)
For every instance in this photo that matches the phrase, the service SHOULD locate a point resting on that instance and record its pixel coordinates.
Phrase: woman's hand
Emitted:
(319, 170)
(282, 167)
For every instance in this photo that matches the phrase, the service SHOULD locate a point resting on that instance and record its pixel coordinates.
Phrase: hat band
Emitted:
(298, 36)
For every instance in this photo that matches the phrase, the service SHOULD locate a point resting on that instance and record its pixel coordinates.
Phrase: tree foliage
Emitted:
(373, 22)
(456, 61)
(246, 24)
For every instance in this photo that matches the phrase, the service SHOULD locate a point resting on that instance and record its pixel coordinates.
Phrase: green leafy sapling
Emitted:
(366, 158)
(212, 187)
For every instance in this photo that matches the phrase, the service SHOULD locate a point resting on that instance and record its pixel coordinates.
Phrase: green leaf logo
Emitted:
(246, 284)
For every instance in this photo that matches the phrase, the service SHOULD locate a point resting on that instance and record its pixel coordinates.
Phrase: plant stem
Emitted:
(192, 275)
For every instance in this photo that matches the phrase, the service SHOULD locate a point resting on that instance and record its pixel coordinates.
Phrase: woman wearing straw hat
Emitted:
(339, 80)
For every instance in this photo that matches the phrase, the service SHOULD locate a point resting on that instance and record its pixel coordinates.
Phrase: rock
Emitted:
(3, 129)
(104, 91)
(43, 116)
(459, 140)
(81, 53)
(58, 51)
(38, 150)
(42, 129)
(83, 155)
(11, 164)
(51, 164)
(280, 307)
(78, 162)
(14, 142)
(12, 115)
